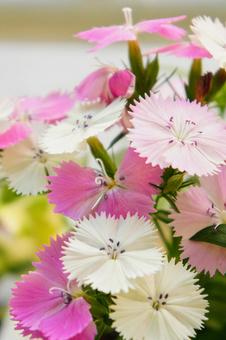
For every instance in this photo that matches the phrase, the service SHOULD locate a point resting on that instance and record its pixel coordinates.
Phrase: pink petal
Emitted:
(32, 302)
(118, 202)
(53, 107)
(205, 256)
(138, 176)
(73, 190)
(165, 30)
(38, 306)
(70, 321)
(122, 83)
(94, 86)
(215, 187)
(105, 36)
(193, 206)
(160, 21)
(50, 265)
(89, 333)
(188, 50)
(15, 134)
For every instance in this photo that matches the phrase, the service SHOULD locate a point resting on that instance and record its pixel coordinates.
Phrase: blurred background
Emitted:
(38, 54)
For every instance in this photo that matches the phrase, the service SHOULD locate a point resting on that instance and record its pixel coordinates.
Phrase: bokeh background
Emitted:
(38, 54)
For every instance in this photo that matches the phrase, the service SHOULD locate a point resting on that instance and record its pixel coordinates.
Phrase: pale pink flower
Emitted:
(105, 84)
(104, 36)
(16, 126)
(77, 191)
(201, 207)
(46, 305)
(178, 133)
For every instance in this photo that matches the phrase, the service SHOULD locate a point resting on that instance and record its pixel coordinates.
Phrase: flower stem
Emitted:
(162, 235)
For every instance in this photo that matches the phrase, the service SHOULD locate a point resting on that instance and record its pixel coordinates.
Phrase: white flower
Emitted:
(26, 166)
(168, 305)
(212, 36)
(107, 252)
(84, 121)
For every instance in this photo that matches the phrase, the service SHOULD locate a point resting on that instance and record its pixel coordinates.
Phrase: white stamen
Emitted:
(127, 11)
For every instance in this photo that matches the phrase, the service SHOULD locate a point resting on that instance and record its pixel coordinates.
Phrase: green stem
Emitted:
(163, 237)
(99, 152)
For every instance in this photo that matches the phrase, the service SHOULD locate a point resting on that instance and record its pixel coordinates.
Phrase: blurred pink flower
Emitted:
(104, 36)
(16, 125)
(77, 191)
(178, 133)
(47, 305)
(182, 49)
(199, 208)
(105, 84)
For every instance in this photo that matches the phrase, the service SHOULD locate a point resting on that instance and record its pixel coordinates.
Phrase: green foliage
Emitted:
(212, 234)
(194, 75)
(220, 98)
(151, 74)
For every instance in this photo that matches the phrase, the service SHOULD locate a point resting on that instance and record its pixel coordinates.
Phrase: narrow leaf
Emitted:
(212, 234)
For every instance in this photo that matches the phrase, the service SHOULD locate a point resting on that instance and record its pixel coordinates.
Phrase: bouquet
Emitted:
(143, 256)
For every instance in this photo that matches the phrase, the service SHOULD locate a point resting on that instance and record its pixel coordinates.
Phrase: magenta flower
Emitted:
(47, 305)
(105, 84)
(16, 125)
(178, 133)
(78, 191)
(104, 36)
(201, 207)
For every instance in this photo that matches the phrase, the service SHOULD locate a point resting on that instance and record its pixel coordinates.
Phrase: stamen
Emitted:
(127, 11)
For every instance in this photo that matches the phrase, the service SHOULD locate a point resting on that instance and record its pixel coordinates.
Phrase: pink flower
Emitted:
(106, 84)
(201, 207)
(17, 125)
(48, 306)
(77, 191)
(182, 49)
(104, 36)
(178, 133)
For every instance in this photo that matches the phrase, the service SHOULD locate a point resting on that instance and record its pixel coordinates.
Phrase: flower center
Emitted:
(127, 11)
(183, 132)
(113, 249)
(219, 215)
(84, 121)
(40, 156)
(67, 294)
(159, 302)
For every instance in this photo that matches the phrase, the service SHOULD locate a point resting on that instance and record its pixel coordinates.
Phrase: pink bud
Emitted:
(95, 86)
(122, 83)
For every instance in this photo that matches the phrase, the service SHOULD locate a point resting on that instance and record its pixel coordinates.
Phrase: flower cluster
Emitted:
(144, 226)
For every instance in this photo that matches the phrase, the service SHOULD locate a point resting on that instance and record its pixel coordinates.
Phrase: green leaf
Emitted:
(220, 98)
(136, 64)
(194, 76)
(174, 183)
(212, 234)
(218, 82)
(151, 74)
(121, 135)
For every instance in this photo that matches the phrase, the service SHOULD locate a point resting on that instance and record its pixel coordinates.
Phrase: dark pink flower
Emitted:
(77, 191)
(47, 305)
